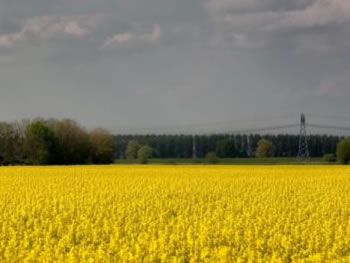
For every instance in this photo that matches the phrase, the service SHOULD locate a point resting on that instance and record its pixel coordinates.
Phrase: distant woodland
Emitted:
(225, 145)
(56, 142)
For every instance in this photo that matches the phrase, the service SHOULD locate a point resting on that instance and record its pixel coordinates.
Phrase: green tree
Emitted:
(40, 144)
(73, 141)
(343, 151)
(6, 143)
(265, 148)
(211, 158)
(102, 146)
(132, 149)
(226, 148)
(144, 154)
(19, 140)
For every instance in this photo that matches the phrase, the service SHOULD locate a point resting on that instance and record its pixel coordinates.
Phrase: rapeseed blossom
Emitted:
(175, 214)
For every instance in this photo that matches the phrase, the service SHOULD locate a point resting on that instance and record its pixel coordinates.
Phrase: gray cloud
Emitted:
(297, 21)
(140, 63)
(49, 27)
(337, 85)
(130, 38)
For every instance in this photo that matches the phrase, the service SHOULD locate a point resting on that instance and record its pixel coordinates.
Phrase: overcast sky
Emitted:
(128, 64)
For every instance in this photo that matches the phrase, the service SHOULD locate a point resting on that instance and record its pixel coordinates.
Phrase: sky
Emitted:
(131, 64)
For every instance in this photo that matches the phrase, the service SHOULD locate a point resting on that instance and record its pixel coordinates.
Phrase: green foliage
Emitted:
(343, 151)
(40, 144)
(226, 149)
(211, 158)
(74, 142)
(144, 154)
(53, 142)
(102, 147)
(6, 143)
(75, 145)
(329, 158)
(132, 149)
(265, 148)
(195, 160)
(180, 146)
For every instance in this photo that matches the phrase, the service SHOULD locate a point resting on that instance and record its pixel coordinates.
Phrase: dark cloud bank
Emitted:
(125, 64)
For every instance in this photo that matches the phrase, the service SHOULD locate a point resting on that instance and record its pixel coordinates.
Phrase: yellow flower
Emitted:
(177, 214)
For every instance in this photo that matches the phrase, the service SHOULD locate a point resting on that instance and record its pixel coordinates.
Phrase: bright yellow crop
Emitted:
(175, 214)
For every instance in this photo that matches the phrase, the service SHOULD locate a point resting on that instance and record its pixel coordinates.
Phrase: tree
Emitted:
(265, 148)
(132, 149)
(144, 154)
(73, 142)
(19, 140)
(102, 146)
(226, 149)
(329, 158)
(6, 143)
(211, 158)
(40, 144)
(343, 151)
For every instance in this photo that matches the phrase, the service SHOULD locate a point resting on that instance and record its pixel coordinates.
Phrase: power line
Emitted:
(331, 127)
(199, 125)
(262, 129)
(330, 117)
(189, 129)
(248, 130)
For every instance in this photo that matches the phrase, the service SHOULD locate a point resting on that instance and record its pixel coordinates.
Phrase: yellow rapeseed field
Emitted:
(175, 214)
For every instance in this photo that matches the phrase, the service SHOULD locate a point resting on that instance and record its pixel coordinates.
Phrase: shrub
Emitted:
(329, 158)
(144, 154)
(211, 158)
(265, 149)
(343, 151)
(132, 149)
(196, 161)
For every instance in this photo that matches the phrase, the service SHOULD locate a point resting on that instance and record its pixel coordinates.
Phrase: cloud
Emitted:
(335, 85)
(219, 5)
(236, 51)
(129, 38)
(317, 14)
(241, 41)
(249, 21)
(314, 44)
(49, 27)
(296, 26)
(8, 40)
(320, 13)
(5, 59)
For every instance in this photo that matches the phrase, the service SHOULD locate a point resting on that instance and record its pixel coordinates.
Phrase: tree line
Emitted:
(54, 141)
(46, 142)
(225, 145)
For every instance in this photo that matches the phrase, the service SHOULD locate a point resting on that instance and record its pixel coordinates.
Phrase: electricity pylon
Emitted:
(303, 145)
